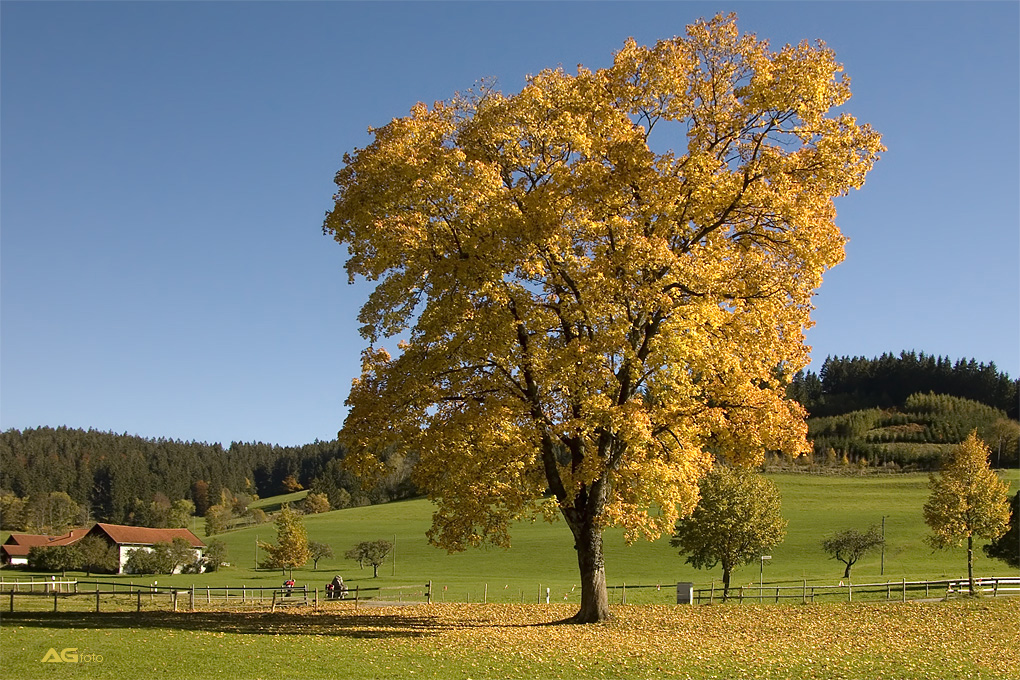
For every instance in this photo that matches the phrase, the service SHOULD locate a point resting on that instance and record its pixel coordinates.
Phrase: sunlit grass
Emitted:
(970, 639)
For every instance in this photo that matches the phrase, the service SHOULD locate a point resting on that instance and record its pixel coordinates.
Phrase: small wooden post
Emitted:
(357, 596)
(485, 594)
(741, 600)
(428, 593)
(888, 590)
(97, 600)
(208, 596)
(850, 591)
(192, 598)
(173, 598)
(139, 594)
(12, 599)
(623, 598)
(803, 599)
(54, 601)
(711, 596)
(904, 589)
(244, 593)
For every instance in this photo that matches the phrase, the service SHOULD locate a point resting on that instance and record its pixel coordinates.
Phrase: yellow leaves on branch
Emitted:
(584, 309)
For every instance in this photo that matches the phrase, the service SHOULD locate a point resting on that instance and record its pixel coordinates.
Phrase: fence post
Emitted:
(97, 599)
(357, 596)
(244, 593)
(485, 594)
(777, 594)
(208, 596)
(711, 595)
(54, 601)
(904, 589)
(139, 594)
(888, 590)
(850, 591)
(428, 592)
(12, 600)
(192, 598)
(804, 593)
(741, 600)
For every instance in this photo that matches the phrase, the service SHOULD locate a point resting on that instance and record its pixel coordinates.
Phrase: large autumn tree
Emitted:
(583, 310)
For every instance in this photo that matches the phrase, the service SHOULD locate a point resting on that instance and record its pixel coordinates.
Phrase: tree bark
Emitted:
(725, 583)
(970, 564)
(594, 596)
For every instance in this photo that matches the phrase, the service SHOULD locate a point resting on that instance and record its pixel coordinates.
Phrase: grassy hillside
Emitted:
(542, 554)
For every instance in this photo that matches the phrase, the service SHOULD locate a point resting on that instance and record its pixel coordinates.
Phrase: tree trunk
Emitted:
(846, 572)
(970, 564)
(375, 570)
(725, 583)
(594, 597)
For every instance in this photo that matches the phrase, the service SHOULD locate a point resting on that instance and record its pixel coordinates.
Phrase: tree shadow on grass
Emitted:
(332, 624)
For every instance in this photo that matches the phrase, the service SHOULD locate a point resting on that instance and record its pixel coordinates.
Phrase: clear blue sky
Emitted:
(165, 168)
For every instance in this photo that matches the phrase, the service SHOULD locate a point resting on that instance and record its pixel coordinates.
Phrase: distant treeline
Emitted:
(847, 384)
(112, 476)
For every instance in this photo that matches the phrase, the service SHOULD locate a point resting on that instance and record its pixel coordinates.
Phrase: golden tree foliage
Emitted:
(967, 500)
(584, 311)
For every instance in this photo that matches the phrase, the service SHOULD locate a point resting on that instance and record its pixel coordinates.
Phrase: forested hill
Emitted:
(847, 384)
(117, 477)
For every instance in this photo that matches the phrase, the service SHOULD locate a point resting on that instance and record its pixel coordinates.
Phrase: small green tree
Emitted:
(217, 519)
(737, 519)
(181, 554)
(156, 560)
(62, 558)
(372, 552)
(292, 543)
(180, 513)
(98, 555)
(1007, 546)
(215, 554)
(318, 551)
(850, 545)
(967, 500)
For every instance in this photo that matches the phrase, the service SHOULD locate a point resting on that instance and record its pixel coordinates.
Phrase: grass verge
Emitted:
(967, 639)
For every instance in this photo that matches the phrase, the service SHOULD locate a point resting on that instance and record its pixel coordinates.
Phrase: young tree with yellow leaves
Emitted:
(967, 499)
(585, 312)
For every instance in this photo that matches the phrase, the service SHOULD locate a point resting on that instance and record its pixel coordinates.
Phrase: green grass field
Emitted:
(957, 639)
(973, 639)
(542, 556)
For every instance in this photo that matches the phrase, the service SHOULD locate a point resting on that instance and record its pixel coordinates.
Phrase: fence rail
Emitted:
(902, 590)
(122, 596)
(85, 595)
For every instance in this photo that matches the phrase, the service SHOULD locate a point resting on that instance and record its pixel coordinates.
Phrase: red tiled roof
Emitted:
(125, 535)
(18, 545)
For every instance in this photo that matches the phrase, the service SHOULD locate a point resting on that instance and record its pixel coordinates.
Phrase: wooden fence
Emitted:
(79, 595)
(889, 590)
(37, 594)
